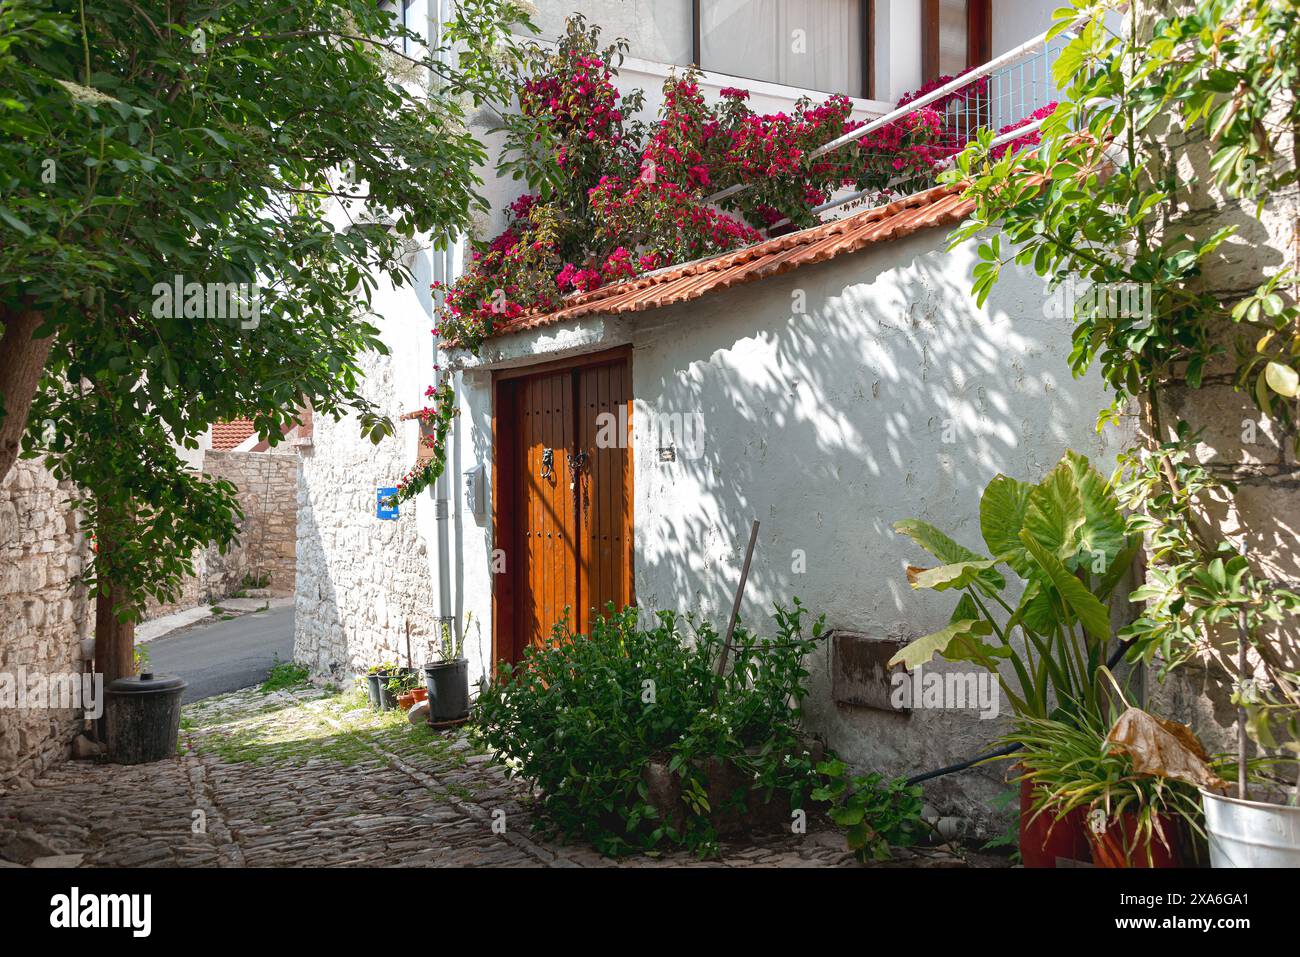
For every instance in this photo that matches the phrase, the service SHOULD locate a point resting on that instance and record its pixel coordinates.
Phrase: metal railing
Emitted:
(1000, 93)
(1005, 97)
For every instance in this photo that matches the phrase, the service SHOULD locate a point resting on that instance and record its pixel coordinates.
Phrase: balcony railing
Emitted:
(1004, 92)
(1008, 96)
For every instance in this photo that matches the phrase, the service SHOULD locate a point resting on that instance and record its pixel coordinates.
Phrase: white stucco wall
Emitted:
(828, 427)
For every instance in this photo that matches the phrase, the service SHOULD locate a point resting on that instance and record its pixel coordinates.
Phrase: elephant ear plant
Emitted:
(1056, 552)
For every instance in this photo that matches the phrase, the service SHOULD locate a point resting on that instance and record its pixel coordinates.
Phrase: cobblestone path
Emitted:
(306, 778)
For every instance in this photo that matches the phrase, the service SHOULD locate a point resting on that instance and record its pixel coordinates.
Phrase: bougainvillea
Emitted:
(435, 421)
(611, 196)
(1029, 139)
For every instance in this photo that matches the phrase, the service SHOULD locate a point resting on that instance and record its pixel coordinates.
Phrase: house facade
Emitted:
(826, 383)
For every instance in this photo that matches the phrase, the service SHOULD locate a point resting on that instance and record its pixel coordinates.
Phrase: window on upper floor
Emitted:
(821, 45)
(955, 36)
(409, 14)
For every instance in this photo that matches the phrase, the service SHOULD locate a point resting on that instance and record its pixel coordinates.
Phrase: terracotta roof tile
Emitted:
(940, 206)
(228, 435)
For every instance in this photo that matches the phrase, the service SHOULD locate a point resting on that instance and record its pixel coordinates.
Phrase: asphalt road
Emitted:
(225, 655)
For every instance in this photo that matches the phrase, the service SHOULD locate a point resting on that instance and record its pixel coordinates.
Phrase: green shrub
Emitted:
(581, 718)
(285, 674)
(877, 814)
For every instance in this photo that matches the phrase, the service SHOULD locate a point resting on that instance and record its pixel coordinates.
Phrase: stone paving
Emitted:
(305, 777)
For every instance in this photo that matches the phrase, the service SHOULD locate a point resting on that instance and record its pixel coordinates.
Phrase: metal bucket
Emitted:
(1251, 833)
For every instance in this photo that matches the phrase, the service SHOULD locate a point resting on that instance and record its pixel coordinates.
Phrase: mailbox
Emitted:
(476, 491)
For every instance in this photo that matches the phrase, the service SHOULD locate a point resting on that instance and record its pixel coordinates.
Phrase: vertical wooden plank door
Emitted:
(547, 513)
(604, 493)
(564, 507)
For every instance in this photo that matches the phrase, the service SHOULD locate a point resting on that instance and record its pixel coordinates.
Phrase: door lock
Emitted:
(577, 462)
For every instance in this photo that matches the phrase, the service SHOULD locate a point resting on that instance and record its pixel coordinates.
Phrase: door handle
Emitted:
(578, 462)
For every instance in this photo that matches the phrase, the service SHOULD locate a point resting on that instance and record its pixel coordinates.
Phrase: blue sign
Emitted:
(386, 503)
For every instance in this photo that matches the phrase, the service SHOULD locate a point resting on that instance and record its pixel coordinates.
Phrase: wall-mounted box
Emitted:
(476, 491)
(860, 672)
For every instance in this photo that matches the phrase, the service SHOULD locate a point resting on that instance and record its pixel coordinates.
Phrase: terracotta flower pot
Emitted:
(406, 700)
(421, 694)
(1043, 838)
(1118, 845)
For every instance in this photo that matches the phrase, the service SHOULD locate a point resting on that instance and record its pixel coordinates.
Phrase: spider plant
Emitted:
(1072, 765)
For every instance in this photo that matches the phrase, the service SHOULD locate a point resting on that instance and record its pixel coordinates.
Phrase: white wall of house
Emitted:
(193, 458)
(828, 427)
(1013, 22)
(898, 47)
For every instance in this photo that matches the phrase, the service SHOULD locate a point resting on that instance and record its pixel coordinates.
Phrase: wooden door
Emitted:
(955, 36)
(605, 490)
(550, 533)
(562, 493)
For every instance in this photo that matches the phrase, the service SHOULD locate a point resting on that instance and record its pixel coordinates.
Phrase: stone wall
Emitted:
(1238, 443)
(43, 615)
(268, 493)
(361, 580)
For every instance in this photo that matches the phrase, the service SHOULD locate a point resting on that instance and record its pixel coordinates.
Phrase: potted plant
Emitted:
(1046, 636)
(1207, 600)
(447, 679)
(377, 678)
(1135, 779)
(402, 687)
(1260, 825)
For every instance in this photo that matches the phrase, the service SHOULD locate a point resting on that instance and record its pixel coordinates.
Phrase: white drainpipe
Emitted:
(443, 269)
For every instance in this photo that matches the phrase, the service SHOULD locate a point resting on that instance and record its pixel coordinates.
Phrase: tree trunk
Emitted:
(114, 640)
(22, 361)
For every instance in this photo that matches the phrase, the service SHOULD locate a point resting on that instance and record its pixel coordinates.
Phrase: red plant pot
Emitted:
(406, 700)
(1043, 838)
(420, 694)
(1119, 846)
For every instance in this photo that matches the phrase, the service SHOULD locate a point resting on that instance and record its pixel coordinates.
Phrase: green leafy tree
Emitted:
(291, 146)
(1186, 102)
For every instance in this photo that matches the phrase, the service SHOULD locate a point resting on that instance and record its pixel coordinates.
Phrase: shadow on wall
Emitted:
(890, 396)
(264, 556)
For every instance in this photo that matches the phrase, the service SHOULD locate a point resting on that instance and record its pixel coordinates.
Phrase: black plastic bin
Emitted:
(143, 717)
(448, 684)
